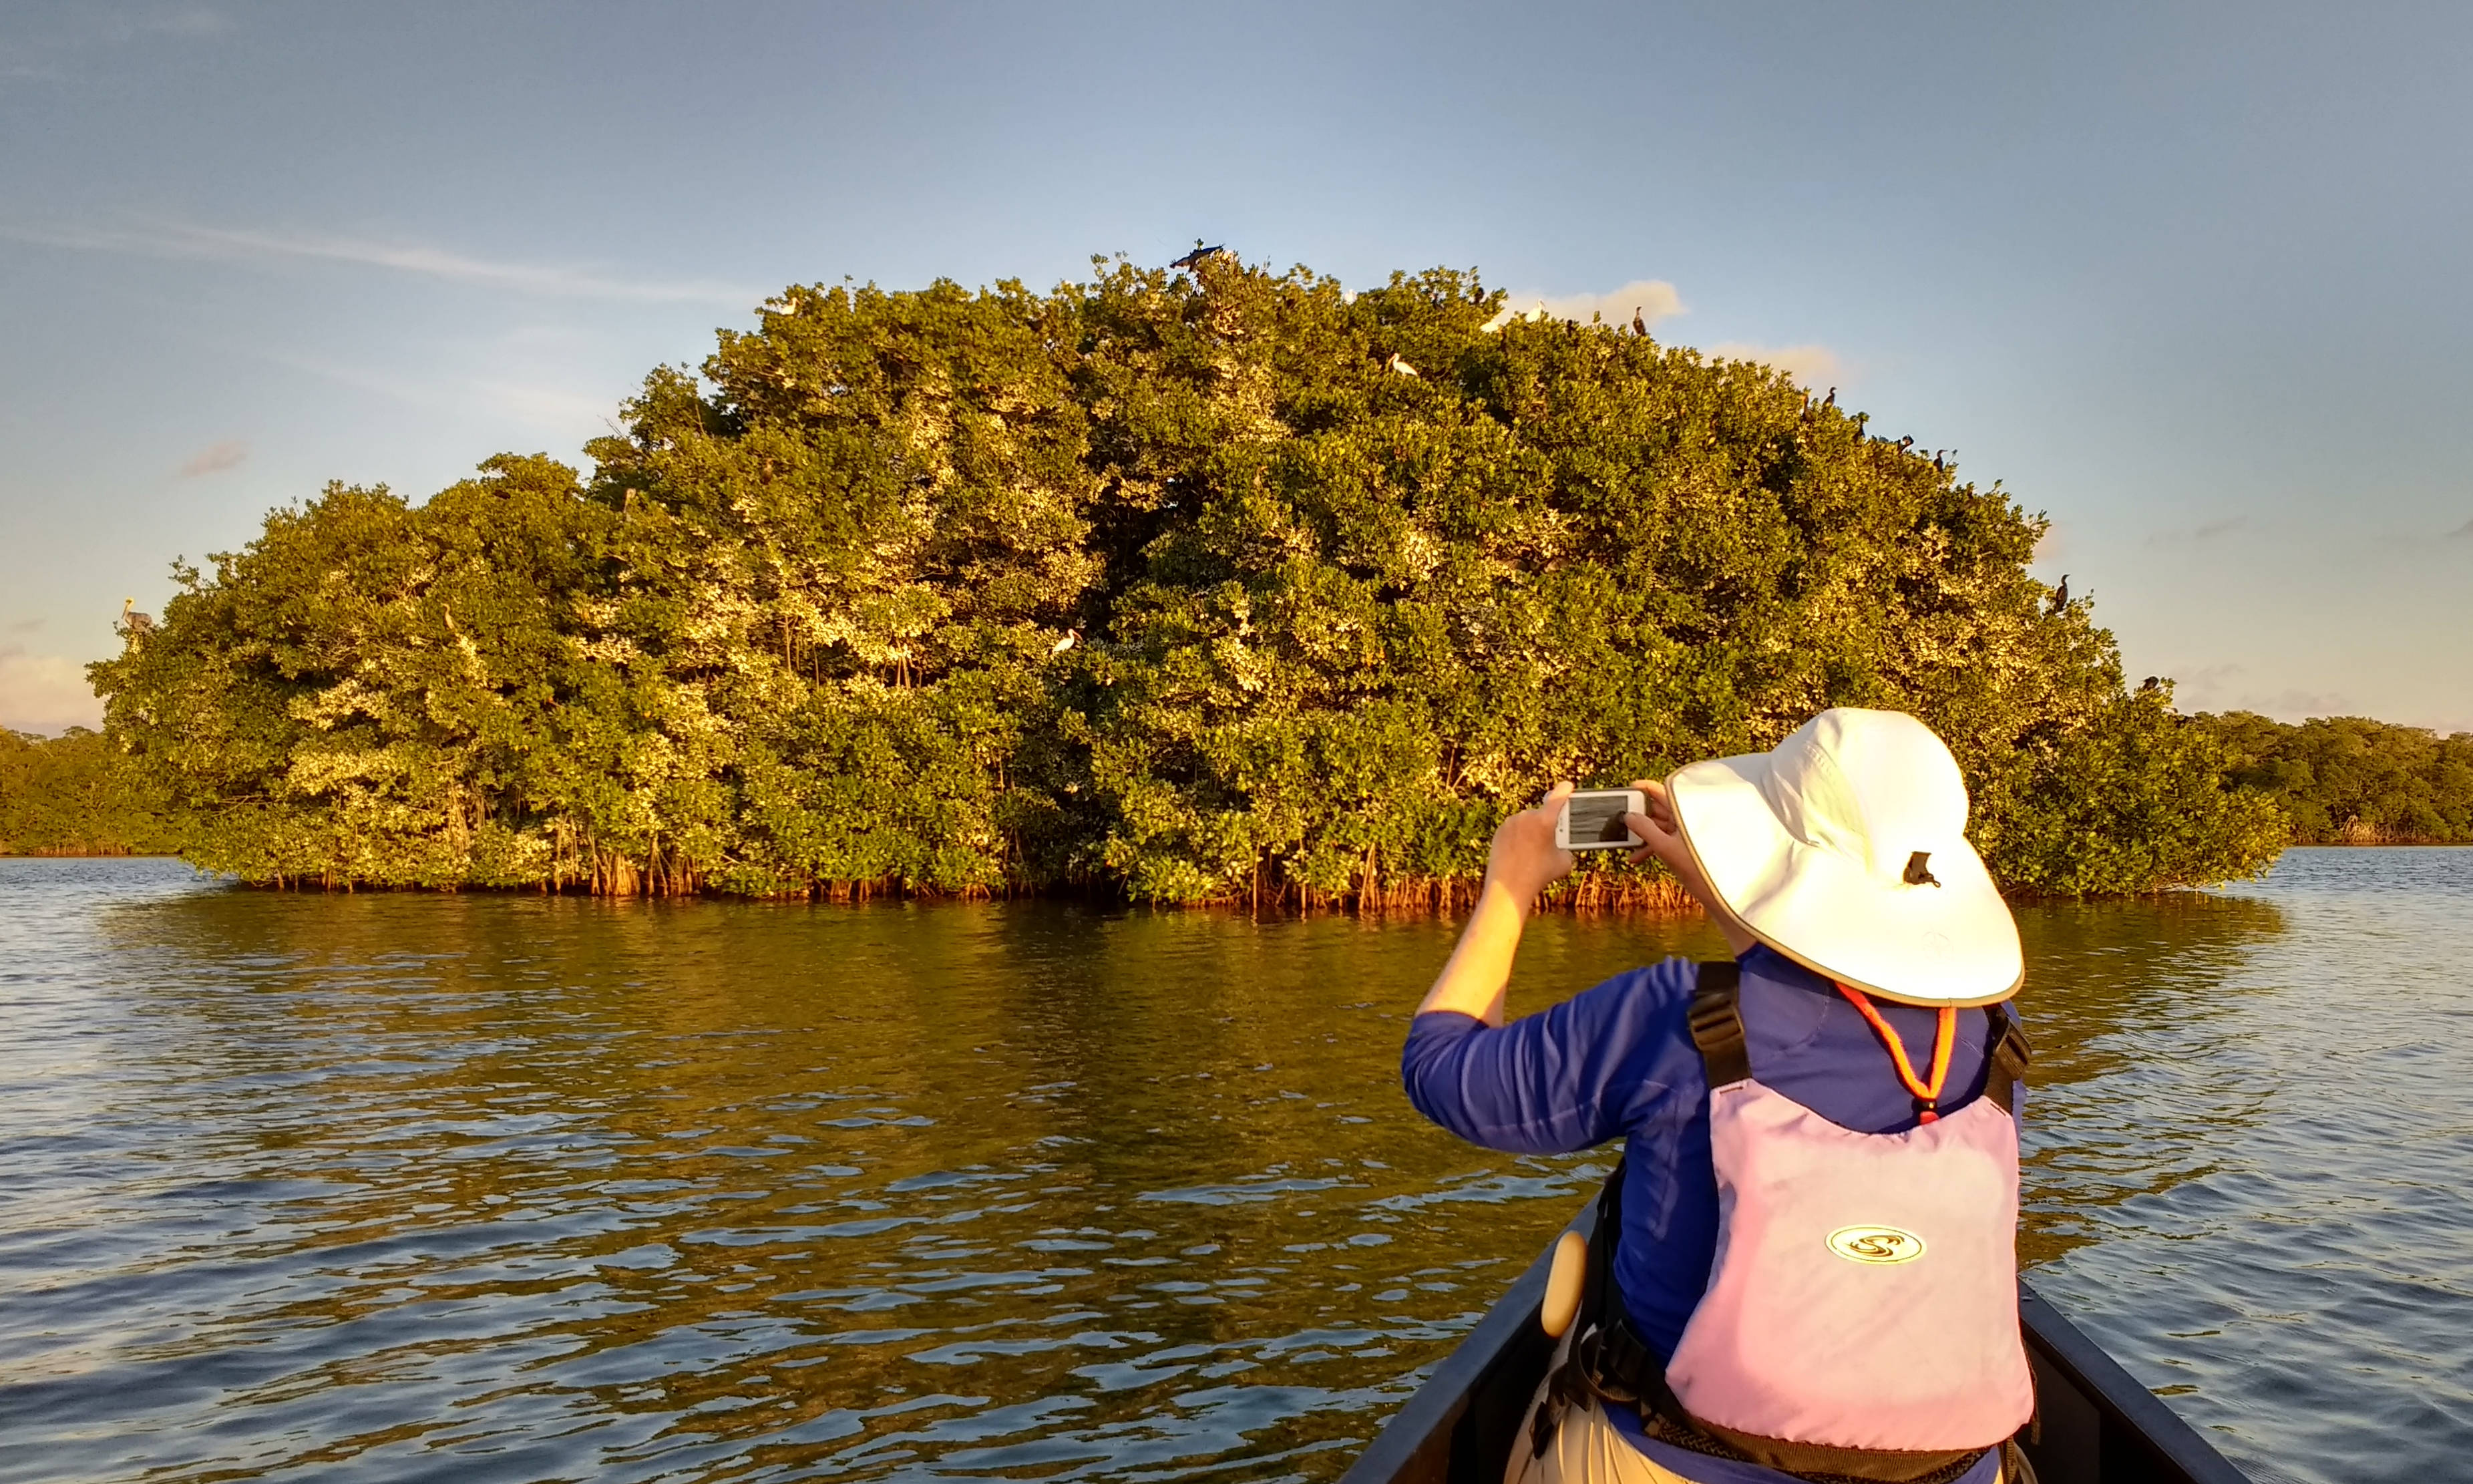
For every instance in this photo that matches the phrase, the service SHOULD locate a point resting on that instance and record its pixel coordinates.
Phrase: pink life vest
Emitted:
(1864, 1293)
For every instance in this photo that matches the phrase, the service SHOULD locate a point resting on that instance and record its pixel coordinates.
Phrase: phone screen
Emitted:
(1598, 819)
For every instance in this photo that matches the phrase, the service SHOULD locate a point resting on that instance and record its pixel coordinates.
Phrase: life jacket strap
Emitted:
(1718, 1024)
(2007, 1055)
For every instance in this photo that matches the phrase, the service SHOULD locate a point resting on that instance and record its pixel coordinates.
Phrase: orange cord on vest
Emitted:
(1927, 1096)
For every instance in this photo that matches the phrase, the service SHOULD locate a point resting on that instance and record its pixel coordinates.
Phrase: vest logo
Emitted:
(1878, 1246)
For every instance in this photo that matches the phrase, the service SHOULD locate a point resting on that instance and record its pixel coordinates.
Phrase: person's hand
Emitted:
(1525, 860)
(1660, 839)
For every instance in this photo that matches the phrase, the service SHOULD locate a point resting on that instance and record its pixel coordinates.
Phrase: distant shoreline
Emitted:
(2379, 845)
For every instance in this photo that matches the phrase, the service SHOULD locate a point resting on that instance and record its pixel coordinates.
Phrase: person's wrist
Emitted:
(1520, 895)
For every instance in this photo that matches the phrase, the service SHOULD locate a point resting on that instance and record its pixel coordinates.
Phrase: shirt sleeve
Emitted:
(1561, 1080)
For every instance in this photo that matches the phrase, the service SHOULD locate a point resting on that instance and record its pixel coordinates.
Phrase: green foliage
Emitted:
(374, 693)
(74, 795)
(2351, 780)
(1194, 588)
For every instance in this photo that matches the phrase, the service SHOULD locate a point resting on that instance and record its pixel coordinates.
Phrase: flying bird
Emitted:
(1072, 637)
(1400, 366)
(1194, 258)
(2061, 594)
(1639, 325)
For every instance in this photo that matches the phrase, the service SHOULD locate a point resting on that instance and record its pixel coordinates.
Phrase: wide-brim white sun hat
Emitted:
(1845, 850)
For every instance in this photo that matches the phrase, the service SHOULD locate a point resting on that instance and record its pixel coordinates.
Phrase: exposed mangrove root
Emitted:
(614, 874)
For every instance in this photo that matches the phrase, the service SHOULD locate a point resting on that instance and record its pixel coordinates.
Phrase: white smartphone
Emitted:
(1593, 820)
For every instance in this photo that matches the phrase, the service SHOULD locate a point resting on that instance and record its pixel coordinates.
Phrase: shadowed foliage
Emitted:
(2350, 781)
(76, 795)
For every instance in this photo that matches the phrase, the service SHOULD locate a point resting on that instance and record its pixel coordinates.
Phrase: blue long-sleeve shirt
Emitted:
(1617, 1061)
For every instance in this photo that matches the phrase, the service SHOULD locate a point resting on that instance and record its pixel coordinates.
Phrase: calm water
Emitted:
(503, 1188)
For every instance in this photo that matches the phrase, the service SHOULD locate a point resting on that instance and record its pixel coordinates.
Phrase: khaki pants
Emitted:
(1586, 1449)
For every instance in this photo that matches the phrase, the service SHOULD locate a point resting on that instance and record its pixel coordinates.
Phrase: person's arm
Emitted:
(1569, 1077)
(1523, 862)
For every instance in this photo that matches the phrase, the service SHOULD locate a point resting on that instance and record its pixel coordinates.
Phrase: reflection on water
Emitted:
(501, 1187)
(2132, 1089)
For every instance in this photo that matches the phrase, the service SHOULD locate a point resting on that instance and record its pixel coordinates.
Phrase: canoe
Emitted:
(2095, 1424)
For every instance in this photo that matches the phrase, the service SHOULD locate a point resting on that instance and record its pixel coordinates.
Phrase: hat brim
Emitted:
(1955, 943)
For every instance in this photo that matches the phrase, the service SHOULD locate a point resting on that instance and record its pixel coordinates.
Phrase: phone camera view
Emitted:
(1599, 819)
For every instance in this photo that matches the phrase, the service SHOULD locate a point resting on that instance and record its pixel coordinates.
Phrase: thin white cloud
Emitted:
(215, 458)
(547, 406)
(45, 693)
(189, 20)
(2230, 687)
(379, 383)
(117, 28)
(2204, 531)
(556, 408)
(1809, 365)
(2294, 704)
(2209, 688)
(37, 52)
(1650, 298)
(189, 241)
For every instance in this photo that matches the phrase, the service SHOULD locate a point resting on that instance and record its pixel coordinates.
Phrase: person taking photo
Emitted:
(1805, 1264)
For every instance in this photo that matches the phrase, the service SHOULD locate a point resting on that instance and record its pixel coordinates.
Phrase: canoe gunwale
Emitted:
(1423, 1439)
(2142, 1437)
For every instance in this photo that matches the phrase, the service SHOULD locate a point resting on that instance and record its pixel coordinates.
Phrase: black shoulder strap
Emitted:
(1717, 1026)
(1596, 1280)
(2007, 1055)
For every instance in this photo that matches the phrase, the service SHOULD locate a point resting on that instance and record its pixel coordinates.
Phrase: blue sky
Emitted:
(2191, 279)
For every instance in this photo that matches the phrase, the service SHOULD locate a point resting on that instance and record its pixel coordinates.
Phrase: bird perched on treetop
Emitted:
(2149, 684)
(1400, 366)
(2061, 594)
(1194, 258)
(1639, 325)
(1072, 637)
(1833, 398)
(134, 624)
